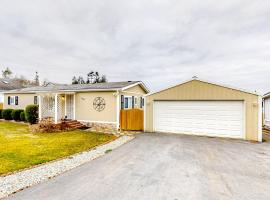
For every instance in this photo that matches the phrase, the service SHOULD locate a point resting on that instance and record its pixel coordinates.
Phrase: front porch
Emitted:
(57, 106)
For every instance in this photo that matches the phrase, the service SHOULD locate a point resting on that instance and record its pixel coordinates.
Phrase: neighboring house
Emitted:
(8, 84)
(204, 108)
(98, 104)
(266, 110)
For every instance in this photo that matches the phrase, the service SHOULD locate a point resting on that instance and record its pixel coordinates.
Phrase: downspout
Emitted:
(117, 110)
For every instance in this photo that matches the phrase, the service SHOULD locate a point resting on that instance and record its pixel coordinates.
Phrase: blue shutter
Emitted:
(122, 101)
(132, 101)
(16, 100)
(8, 100)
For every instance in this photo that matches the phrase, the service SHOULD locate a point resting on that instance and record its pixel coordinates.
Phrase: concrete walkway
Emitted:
(164, 166)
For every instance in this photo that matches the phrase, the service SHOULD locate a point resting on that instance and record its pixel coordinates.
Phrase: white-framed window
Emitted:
(128, 102)
(13, 100)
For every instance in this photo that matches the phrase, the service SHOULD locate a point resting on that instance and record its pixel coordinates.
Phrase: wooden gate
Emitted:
(131, 119)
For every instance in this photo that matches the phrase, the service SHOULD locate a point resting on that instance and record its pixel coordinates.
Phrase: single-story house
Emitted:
(97, 104)
(204, 108)
(266, 110)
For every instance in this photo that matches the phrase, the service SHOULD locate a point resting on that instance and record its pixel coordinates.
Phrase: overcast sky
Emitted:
(161, 42)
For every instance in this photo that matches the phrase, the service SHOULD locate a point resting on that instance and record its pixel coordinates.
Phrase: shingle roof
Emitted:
(10, 84)
(75, 87)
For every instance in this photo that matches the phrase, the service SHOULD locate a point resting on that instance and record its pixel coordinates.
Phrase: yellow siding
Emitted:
(137, 89)
(85, 110)
(23, 101)
(197, 90)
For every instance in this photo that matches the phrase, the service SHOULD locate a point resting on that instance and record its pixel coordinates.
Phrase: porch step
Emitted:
(74, 124)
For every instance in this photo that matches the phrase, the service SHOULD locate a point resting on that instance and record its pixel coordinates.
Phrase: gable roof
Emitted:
(209, 82)
(108, 86)
(267, 95)
(10, 84)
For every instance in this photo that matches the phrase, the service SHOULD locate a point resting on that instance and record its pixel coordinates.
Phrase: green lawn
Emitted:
(21, 149)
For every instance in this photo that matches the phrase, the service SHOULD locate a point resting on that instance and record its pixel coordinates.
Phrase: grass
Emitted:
(21, 149)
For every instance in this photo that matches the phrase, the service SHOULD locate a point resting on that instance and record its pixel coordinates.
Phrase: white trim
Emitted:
(244, 134)
(65, 105)
(14, 101)
(205, 81)
(144, 115)
(55, 108)
(259, 119)
(153, 117)
(102, 122)
(138, 83)
(74, 106)
(3, 100)
(39, 107)
(135, 93)
(127, 96)
(118, 110)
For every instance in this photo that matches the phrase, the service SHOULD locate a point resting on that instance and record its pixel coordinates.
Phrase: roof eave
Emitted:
(58, 91)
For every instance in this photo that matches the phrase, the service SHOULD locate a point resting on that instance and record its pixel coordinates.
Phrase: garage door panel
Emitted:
(217, 118)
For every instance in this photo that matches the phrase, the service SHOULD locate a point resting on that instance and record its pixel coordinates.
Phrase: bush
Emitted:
(6, 114)
(1, 110)
(16, 114)
(22, 116)
(31, 114)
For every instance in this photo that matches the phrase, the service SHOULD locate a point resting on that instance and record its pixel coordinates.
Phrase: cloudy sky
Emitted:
(161, 42)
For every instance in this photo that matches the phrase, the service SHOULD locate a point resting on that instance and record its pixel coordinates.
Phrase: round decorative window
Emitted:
(99, 104)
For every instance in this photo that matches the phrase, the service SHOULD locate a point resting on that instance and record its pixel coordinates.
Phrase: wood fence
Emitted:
(131, 119)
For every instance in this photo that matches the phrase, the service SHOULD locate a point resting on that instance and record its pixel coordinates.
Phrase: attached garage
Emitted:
(202, 108)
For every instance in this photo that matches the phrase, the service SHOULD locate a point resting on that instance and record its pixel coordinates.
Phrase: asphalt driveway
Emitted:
(164, 166)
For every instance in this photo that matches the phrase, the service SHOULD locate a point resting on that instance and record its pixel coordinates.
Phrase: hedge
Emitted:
(22, 116)
(6, 114)
(16, 114)
(31, 114)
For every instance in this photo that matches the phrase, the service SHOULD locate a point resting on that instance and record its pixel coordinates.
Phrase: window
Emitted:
(35, 100)
(13, 100)
(128, 102)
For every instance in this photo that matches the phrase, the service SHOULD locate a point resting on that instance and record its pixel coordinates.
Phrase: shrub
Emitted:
(31, 114)
(1, 113)
(6, 114)
(22, 116)
(16, 114)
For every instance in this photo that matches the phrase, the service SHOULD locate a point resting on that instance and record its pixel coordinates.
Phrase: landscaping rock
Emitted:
(18, 181)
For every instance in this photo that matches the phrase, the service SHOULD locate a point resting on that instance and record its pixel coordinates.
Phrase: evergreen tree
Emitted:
(36, 79)
(6, 73)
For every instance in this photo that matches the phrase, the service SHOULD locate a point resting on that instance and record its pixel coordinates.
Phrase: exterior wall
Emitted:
(267, 112)
(197, 90)
(23, 100)
(135, 89)
(84, 110)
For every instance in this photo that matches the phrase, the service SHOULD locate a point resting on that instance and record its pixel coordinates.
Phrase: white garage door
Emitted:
(211, 118)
